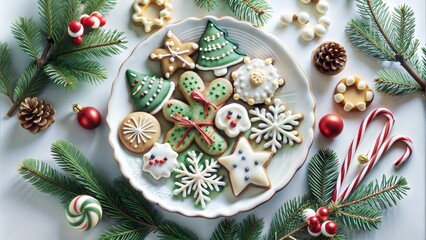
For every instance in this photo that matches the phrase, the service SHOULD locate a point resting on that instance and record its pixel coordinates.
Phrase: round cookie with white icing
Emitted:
(353, 94)
(140, 18)
(160, 161)
(233, 119)
(139, 131)
(256, 81)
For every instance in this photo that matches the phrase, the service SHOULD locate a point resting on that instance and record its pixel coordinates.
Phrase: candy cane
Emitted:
(381, 145)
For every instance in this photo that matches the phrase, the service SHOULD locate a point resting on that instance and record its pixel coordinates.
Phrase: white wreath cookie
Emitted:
(140, 18)
(256, 81)
(232, 119)
(160, 161)
(353, 94)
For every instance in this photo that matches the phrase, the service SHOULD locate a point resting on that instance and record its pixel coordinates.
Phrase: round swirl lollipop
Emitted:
(84, 212)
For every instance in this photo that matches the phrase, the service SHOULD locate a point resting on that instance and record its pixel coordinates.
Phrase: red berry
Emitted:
(169, 105)
(313, 221)
(75, 26)
(315, 229)
(89, 22)
(77, 40)
(83, 20)
(156, 161)
(322, 213)
(329, 229)
(233, 124)
(102, 21)
(96, 14)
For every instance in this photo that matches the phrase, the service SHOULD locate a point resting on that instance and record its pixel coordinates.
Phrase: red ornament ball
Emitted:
(102, 21)
(331, 125)
(77, 40)
(322, 213)
(88, 117)
(329, 229)
(314, 231)
(75, 26)
(313, 221)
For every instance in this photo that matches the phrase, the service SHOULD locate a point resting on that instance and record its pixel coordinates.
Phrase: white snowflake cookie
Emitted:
(140, 18)
(256, 81)
(276, 127)
(160, 161)
(246, 167)
(232, 119)
(198, 179)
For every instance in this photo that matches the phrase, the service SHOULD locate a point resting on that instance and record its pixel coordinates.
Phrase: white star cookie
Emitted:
(160, 161)
(246, 167)
(232, 119)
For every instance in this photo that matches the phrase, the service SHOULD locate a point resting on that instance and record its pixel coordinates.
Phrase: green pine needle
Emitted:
(102, 6)
(28, 36)
(322, 175)
(256, 11)
(125, 232)
(423, 67)
(360, 217)
(227, 229)
(172, 231)
(251, 228)
(207, 4)
(6, 72)
(30, 83)
(46, 179)
(395, 82)
(61, 76)
(404, 23)
(49, 11)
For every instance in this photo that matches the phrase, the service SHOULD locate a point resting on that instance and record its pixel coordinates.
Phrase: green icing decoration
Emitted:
(149, 92)
(217, 51)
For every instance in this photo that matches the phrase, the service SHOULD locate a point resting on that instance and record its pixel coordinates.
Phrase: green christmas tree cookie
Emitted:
(217, 52)
(195, 121)
(149, 92)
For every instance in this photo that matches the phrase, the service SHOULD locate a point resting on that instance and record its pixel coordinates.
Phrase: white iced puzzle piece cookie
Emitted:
(160, 161)
(256, 81)
(140, 17)
(277, 126)
(233, 119)
(246, 167)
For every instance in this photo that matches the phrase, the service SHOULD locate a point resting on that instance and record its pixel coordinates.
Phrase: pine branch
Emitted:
(28, 37)
(172, 231)
(394, 82)
(124, 232)
(256, 11)
(294, 232)
(423, 68)
(404, 23)
(225, 230)
(102, 6)
(207, 4)
(29, 84)
(47, 180)
(60, 75)
(360, 216)
(322, 175)
(6, 72)
(49, 11)
(88, 71)
(251, 228)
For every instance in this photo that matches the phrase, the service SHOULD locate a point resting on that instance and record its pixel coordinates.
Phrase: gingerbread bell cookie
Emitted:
(174, 55)
(140, 18)
(139, 131)
(256, 81)
(353, 94)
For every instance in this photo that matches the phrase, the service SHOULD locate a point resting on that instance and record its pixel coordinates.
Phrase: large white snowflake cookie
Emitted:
(246, 167)
(277, 126)
(160, 161)
(256, 81)
(233, 119)
(198, 179)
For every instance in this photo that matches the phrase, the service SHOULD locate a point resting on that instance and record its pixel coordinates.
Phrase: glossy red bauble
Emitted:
(88, 117)
(102, 21)
(314, 231)
(329, 229)
(75, 26)
(331, 125)
(88, 21)
(77, 40)
(313, 221)
(322, 213)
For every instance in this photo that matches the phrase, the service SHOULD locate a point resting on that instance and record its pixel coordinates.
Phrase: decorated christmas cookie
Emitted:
(148, 92)
(160, 161)
(277, 126)
(246, 167)
(140, 18)
(139, 131)
(198, 178)
(217, 52)
(174, 55)
(353, 94)
(233, 119)
(195, 121)
(256, 81)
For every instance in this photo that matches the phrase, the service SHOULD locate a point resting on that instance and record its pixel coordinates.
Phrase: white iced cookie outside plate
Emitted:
(160, 161)
(246, 167)
(233, 119)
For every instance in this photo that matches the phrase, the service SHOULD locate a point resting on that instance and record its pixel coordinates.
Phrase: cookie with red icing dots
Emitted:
(233, 119)
(160, 161)
(194, 121)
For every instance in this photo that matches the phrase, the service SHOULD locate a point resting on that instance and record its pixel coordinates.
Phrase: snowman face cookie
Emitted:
(233, 119)
(160, 161)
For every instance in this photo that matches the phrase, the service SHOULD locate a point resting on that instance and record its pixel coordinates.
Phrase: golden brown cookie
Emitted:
(174, 55)
(139, 131)
(353, 94)
(140, 18)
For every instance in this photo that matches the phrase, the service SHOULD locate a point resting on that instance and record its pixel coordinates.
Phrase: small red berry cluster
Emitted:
(76, 28)
(315, 227)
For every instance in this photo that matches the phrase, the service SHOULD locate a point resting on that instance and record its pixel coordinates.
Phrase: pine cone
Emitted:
(330, 58)
(35, 115)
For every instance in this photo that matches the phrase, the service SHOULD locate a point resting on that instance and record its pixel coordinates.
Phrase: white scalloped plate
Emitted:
(296, 95)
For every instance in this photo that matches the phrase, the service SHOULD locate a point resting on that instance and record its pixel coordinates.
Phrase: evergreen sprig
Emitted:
(257, 12)
(135, 217)
(388, 34)
(54, 58)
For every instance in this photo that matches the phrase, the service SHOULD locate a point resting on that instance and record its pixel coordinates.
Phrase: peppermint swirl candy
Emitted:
(84, 212)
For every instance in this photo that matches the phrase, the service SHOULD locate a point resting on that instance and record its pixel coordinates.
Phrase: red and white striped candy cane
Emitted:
(381, 145)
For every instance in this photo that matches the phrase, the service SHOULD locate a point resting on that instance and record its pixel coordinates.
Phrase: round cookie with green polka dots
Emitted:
(194, 120)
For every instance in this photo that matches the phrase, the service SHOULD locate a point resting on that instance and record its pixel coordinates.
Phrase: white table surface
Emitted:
(26, 213)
